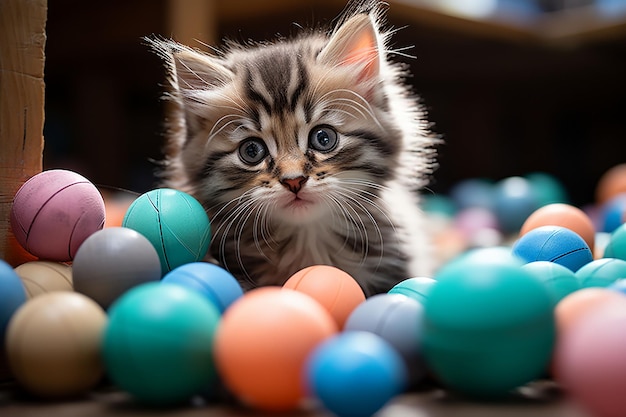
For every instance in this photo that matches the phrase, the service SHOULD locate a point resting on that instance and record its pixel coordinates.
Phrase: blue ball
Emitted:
(613, 213)
(12, 296)
(354, 374)
(213, 282)
(473, 192)
(514, 200)
(553, 244)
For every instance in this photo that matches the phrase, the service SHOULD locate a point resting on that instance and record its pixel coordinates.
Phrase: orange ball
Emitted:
(262, 344)
(333, 288)
(563, 215)
(612, 183)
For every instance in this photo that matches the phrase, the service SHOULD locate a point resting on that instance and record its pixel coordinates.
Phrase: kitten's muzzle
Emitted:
(294, 184)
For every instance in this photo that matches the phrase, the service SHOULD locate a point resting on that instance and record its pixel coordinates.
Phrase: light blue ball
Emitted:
(553, 244)
(514, 201)
(354, 374)
(396, 318)
(213, 282)
(12, 296)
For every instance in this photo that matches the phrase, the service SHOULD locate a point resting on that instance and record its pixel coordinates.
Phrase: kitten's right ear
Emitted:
(190, 69)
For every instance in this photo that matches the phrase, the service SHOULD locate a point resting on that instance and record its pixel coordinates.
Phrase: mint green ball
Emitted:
(488, 326)
(174, 222)
(416, 288)
(158, 344)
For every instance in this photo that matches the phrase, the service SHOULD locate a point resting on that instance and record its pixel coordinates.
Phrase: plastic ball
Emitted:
(563, 215)
(212, 281)
(553, 244)
(174, 222)
(416, 288)
(333, 288)
(112, 261)
(54, 344)
(158, 345)
(514, 201)
(601, 272)
(54, 212)
(577, 304)
(619, 286)
(398, 320)
(559, 280)
(263, 342)
(12, 296)
(616, 248)
(477, 317)
(354, 374)
(473, 192)
(547, 188)
(613, 213)
(612, 183)
(473, 220)
(41, 277)
(590, 360)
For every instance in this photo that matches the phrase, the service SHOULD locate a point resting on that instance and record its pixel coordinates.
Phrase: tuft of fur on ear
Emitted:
(356, 43)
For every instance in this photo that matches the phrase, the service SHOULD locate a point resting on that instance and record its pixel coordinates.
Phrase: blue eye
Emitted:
(323, 138)
(252, 151)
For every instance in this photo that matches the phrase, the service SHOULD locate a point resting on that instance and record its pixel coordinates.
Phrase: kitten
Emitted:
(304, 151)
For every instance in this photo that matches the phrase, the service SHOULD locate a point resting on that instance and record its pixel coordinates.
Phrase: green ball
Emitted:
(158, 344)
(174, 222)
(488, 326)
(617, 244)
(558, 279)
(601, 272)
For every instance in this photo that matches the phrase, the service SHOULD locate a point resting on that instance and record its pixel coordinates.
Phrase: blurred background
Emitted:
(512, 86)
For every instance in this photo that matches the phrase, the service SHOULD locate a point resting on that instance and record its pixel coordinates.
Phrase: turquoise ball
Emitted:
(488, 327)
(616, 247)
(416, 288)
(174, 222)
(559, 280)
(158, 344)
(601, 272)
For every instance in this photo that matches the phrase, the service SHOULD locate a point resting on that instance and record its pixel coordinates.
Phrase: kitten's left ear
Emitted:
(356, 43)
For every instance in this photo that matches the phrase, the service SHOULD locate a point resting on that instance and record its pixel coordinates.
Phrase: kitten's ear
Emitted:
(197, 71)
(355, 43)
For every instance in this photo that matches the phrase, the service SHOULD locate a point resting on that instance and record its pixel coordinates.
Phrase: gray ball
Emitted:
(112, 261)
(397, 319)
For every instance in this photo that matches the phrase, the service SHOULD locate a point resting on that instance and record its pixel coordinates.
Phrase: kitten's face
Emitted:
(291, 129)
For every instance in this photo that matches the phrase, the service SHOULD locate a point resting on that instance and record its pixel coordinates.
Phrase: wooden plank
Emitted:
(22, 31)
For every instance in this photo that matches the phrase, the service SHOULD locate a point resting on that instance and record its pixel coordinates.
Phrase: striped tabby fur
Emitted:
(304, 151)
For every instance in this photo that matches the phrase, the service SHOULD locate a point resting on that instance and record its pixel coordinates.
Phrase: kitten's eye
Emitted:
(252, 151)
(323, 138)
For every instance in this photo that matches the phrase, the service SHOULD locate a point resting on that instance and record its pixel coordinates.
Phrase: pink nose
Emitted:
(294, 184)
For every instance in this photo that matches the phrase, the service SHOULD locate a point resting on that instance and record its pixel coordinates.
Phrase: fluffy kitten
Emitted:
(304, 151)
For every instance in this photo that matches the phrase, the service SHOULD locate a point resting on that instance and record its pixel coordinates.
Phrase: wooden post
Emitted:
(192, 22)
(22, 41)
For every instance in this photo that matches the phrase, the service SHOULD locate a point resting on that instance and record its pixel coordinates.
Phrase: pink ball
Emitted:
(54, 212)
(590, 359)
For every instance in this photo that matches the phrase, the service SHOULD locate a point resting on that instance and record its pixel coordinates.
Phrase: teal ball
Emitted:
(601, 272)
(616, 248)
(416, 288)
(488, 327)
(559, 280)
(12, 296)
(174, 222)
(158, 344)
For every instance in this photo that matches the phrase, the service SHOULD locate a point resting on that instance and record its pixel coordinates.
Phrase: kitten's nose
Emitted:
(294, 184)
